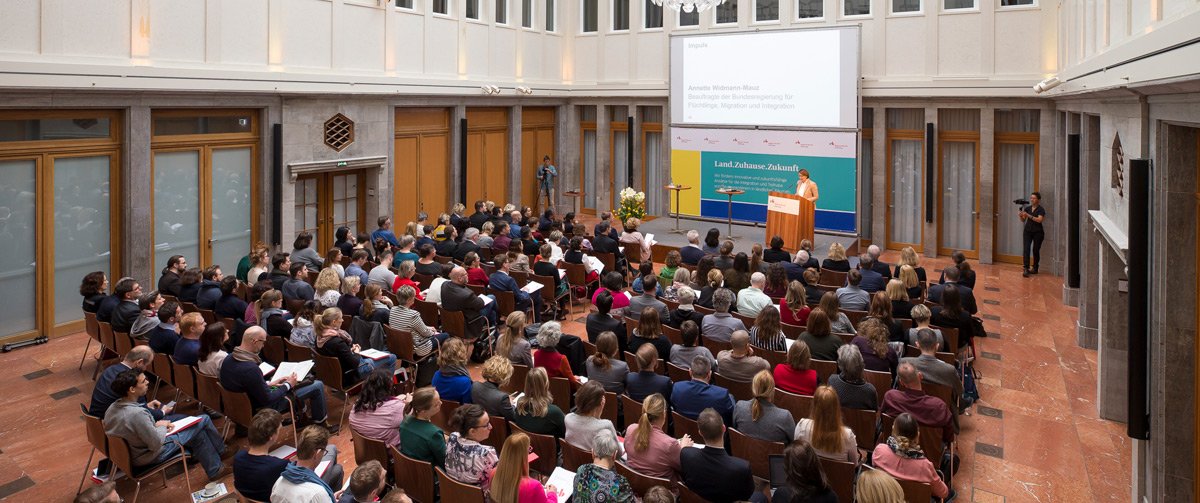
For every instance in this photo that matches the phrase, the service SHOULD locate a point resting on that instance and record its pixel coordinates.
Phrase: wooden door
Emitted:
(487, 155)
(421, 167)
(326, 201)
(537, 141)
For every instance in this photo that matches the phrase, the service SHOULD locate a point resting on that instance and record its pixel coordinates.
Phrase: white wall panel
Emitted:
(652, 63)
(616, 58)
(1118, 21)
(500, 51)
(242, 31)
(306, 34)
(441, 46)
(359, 41)
(22, 27)
(100, 29)
(410, 42)
(552, 58)
(586, 61)
(529, 65)
(177, 30)
(1018, 36)
(475, 50)
(905, 46)
(959, 44)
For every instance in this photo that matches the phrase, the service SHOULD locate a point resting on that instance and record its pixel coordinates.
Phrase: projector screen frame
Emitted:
(673, 70)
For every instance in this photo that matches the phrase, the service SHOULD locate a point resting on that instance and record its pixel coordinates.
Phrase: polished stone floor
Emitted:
(1034, 436)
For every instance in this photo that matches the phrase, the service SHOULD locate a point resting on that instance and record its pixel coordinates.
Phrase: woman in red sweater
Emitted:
(548, 357)
(794, 376)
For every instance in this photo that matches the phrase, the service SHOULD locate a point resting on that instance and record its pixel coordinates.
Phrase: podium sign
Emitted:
(790, 217)
(783, 205)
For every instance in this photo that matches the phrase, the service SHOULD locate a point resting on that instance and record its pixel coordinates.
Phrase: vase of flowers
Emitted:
(633, 204)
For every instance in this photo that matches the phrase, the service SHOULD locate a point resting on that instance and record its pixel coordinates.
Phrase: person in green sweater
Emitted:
(419, 438)
(666, 275)
(535, 410)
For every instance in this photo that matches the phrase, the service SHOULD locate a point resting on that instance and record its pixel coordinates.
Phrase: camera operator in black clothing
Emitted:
(1033, 215)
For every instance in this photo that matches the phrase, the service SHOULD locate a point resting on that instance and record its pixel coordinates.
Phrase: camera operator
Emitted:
(1033, 215)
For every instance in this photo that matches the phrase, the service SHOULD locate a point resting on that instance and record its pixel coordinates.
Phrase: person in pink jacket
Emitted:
(901, 456)
(511, 483)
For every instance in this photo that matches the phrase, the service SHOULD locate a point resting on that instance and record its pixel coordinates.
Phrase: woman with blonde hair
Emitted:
(839, 323)
(349, 302)
(901, 456)
(836, 259)
(914, 287)
(335, 342)
(632, 236)
(535, 409)
(876, 486)
(647, 446)
(377, 307)
(824, 429)
(909, 257)
(452, 379)
(901, 305)
(496, 372)
(512, 343)
(715, 279)
(758, 417)
(767, 332)
(606, 366)
(872, 342)
(793, 307)
(511, 482)
(260, 263)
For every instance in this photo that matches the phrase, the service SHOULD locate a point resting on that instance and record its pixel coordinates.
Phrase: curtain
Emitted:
(589, 169)
(620, 162)
(1015, 167)
(654, 14)
(82, 235)
(653, 170)
(18, 270)
(176, 206)
(1017, 121)
(958, 195)
(231, 208)
(864, 218)
(906, 191)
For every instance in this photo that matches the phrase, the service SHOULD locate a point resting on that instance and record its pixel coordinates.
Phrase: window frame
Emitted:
(466, 14)
(449, 9)
(754, 13)
(798, 19)
(583, 17)
(532, 11)
(1033, 4)
(496, 13)
(679, 21)
(662, 20)
(892, 9)
(974, 8)
(737, 16)
(612, 18)
(842, 12)
(550, 21)
(410, 8)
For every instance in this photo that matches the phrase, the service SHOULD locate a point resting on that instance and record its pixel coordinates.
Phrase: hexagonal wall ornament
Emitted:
(339, 132)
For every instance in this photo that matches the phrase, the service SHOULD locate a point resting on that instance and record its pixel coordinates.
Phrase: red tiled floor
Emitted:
(1055, 448)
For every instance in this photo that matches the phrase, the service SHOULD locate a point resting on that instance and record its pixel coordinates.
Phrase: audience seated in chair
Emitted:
(240, 374)
(467, 459)
(125, 313)
(598, 481)
(165, 336)
(805, 480)
(535, 410)
(645, 381)
(739, 362)
(377, 414)
(452, 379)
(824, 429)
(908, 397)
(901, 456)
(710, 471)
(852, 296)
(583, 424)
(496, 372)
(720, 325)
(168, 283)
(420, 439)
(456, 297)
(366, 482)
(853, 391)
(758, 417)
(689, 398)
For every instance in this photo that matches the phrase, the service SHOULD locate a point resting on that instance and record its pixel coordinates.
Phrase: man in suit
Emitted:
(500, 281)
(140, 357)
(457, 297)
(469, 244)
(600, 321)
(449, 242)
(607, 230)
(168, 283)
(879, 266)
(931, 368)
(163, 337)
(794, 269)
(606, 243)
(240, 374)
(692, 253)
(711, 472)
(477, 219)
(127, 311)
(872, 280)
(689, 398)
(647, 299)
(951, 275)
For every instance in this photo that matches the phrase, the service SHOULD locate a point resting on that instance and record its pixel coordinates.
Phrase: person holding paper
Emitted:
(500, 281)
(599, 481)
(805, 187)
(457, 297)
(335, 342)
(544, 267)
(257, 467)
(300, 482)
(240, 374)
(632, 236)
(152, 442)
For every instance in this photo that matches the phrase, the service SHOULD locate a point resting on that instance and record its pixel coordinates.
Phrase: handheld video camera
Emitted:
(1021, 202)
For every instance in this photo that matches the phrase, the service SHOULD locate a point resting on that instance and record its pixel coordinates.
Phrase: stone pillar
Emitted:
(604, 164)
(457, 134)
(986, 212)
(138, 195)
(1087, 297)
(566, 130)
(1114, 348)
(878, 173)
(514, 156)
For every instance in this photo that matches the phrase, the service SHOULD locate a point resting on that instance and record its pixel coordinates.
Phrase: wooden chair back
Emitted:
(943, 392)
(209, 315)
(185, 378)
(687, 495)
(91, 326)
(237, 407)
(422, 280)
(633, 255)
(94, 427)
(506, 303)
(631, 410)
(521, 277)
(588, 348)
(106, 335)
(400, 343)
(610, 408)
(123, 342)
(576, 274)
(704, 310)
(916, 491)
(741, 390)
(161, 367)
(638, 481)
(833, 278)
(772, 357)
(414, 476)
(544, 447)
(477, 289)
(715, 346)
(442, 260)
(673, 334)
(295, 352)
(862, 423)
(949, 339)
(931, 444)
(631, 325)
(841, 477)
(792, 331)
(685, 425)
(367, 449)
(677, 373)
(517, 381)
(746, 320)
(549, 294)
(208, 390)
(799, 405)
(453, 490)
(442, 418)
(560, 390)
(274, 350)
(498, 434)
(854, 316)
(631, 360)
(453, 323)
(754, 450)
(428, 310)
(824, 368)
(608, 259)
(882, 381)
(573, 457)
(189, 307)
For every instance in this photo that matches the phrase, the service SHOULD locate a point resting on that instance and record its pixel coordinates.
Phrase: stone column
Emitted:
(138, 195)
(1087, 332)
(457, 114)
(986, 212)
(1113, 365)
(604, 164)
(514, 155)
(878, 173)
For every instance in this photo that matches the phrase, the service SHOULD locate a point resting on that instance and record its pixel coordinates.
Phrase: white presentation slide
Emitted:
(787, 78)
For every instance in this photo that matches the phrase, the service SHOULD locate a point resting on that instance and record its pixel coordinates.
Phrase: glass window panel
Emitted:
(170, 126)
(960, 4)
(441, 6)
(857, 7)
(620, 161)
(472, 9)
(653, 17)
(766, 10)
(1012, 3)
(589, 168)
(906, 191)
(906, 5)
(1016, 162)
(591, 15)
(501, 11)
(404, 4)
(82, 237)
(231, 206)
(176, 206)
(1017, 121)
(306, 205)
(620, 13)
(958, 195)
(689, 18)
(550, 13)
(18, 271)
(527, 13)
(727, 13)
(809, 9)
(653, 167)
(54, 129)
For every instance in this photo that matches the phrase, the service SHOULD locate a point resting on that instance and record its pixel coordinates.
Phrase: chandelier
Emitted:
(689, 5)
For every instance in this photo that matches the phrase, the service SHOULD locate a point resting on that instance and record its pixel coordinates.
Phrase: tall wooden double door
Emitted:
(487, 155)
(537, 141)
(421, 174)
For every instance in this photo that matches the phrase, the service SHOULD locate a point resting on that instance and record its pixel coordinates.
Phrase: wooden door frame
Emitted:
(893, 135)
(326, 227)
(1010, 139)
(958, 137)
(420, 131)
(44, 153)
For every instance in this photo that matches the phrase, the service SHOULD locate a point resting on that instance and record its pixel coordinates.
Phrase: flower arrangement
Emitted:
(633, 204)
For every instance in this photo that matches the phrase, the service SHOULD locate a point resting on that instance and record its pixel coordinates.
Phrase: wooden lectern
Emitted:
(790, 217)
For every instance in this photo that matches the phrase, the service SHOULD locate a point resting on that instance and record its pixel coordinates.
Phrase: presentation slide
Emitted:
(783, 78)
(761, 161)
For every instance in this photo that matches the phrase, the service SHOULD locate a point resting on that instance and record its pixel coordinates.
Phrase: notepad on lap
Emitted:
(301, 369)
(185, 423)
(563, 480)
(373, 354)
(594, 263)
(486, 300)
(531, 287)
(283, 452)
(266, 368)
